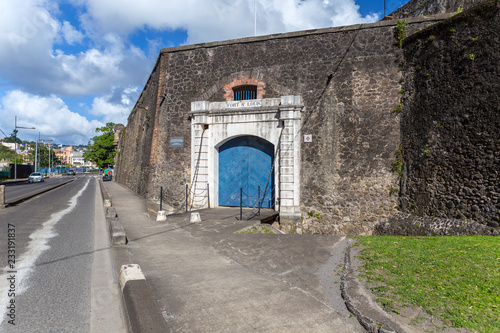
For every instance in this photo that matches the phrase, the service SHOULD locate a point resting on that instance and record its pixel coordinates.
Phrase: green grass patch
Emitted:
(256, 230)
(455, 279)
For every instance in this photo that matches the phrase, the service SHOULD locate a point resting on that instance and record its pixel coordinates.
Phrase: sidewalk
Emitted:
(206, 278)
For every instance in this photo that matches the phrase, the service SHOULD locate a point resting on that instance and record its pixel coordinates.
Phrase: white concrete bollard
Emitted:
(162, 216)
(195, 217)
(2, 196)
(129, 273)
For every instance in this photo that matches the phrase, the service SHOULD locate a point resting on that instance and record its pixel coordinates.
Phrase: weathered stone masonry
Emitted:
(347, 81)
(450, 119)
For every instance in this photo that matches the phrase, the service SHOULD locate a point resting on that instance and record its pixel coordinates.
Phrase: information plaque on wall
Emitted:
(177, 142)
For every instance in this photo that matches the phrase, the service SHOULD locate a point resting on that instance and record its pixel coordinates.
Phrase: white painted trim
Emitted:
(266, 122)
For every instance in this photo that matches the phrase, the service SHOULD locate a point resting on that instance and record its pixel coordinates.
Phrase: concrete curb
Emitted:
(116, 230)
(13, 182)
(141, 309)
(105, 195)
(369, 314)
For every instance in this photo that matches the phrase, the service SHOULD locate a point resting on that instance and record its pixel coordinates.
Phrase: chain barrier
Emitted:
(258, 205)
(173, 196)
(204, 199)
(251, 196)
(196, 170)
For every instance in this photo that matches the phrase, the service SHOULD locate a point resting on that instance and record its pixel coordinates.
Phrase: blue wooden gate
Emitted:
(246, 162)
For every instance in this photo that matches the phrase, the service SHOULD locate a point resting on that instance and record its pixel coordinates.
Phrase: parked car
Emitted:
(36, 177)
(71, 172)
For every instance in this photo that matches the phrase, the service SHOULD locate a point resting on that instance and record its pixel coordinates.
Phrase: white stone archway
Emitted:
(277, 120)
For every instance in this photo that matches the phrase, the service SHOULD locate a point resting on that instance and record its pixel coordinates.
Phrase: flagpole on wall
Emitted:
(255, 22)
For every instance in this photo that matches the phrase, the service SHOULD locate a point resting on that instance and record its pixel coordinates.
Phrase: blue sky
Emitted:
(69, 66)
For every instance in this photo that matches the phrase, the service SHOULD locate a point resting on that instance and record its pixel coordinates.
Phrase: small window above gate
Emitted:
(245, 92)
(244, 88)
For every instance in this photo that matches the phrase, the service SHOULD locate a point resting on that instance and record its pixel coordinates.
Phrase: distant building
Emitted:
(11, 146)
(77, 158)
(65, 155)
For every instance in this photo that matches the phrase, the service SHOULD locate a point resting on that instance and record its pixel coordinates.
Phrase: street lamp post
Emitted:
(50, 169)
(15, 144)
(36, 153)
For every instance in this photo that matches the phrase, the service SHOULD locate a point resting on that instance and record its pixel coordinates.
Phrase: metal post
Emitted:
(15, 154)
(50, 170)
(49, 140)
(36, 155)
(258, 214)
(186, 197)
(161, 197)
(39, 157)
(15, 145)
(241, 203)
(208, 194)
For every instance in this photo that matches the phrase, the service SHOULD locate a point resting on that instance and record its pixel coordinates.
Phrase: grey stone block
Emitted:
(118, 235)
(110, 213)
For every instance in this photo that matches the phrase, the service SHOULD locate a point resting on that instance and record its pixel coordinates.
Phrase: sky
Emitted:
(68, 67)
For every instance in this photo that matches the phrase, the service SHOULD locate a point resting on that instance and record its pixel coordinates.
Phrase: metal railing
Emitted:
(188, 202)
(258, 201)
(184, 196)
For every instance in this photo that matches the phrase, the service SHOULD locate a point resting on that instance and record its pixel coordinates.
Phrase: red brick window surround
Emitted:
(244, 81)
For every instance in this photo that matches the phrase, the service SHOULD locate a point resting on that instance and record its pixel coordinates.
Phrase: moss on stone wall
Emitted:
(450, 123)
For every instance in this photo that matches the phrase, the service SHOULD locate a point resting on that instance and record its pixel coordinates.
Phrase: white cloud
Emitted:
(49, 115)
(115, 107)
(71, 35)
(222, 19)
(25, 24)
(29, 59)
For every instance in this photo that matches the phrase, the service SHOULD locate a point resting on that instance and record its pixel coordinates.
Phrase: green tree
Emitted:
(10, 139)
(101, 149)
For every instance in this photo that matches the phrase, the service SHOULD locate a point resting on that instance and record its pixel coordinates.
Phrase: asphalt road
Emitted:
(61, 279)
(13, 191)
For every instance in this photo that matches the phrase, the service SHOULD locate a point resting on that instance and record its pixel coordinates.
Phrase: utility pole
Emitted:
(15, 144)
(50, 169)
(40, 151)
(36, 153)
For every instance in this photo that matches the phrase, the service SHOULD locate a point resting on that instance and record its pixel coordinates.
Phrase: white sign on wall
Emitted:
(308, 138)
(243, 104)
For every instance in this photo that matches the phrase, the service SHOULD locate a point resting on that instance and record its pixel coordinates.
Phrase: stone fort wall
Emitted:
(414, 8)
(450, 118)
(349, 79)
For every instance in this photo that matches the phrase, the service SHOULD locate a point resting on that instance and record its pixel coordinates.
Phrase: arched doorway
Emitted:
(246, 162)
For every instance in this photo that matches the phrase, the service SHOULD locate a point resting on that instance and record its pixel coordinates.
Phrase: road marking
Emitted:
(37, 246)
